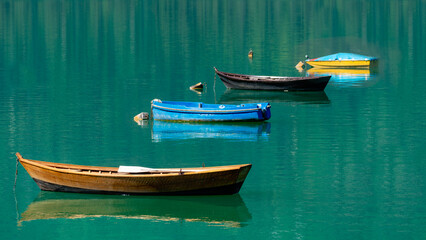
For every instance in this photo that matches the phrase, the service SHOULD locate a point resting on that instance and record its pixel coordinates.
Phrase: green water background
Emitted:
(348, 163)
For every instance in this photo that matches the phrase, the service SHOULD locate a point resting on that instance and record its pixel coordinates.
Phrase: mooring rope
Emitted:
(16, 173)
(214, 87)
(14, 191)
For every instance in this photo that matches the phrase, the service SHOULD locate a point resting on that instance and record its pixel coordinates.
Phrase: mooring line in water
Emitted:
(16, 173)
(14, 191)
(214, 87)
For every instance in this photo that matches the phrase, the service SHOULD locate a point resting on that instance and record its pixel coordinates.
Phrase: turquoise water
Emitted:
(347, 163)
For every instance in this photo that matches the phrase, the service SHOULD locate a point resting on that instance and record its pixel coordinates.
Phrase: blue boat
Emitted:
(202, 112)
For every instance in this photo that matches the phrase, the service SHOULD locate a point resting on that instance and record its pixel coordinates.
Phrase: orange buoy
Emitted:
(250, 54)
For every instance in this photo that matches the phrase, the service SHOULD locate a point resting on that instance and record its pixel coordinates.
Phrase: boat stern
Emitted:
(244, 170)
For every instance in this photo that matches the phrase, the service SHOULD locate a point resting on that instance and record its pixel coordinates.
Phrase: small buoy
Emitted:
(141, 116)
(250, 54)
(300, 66)
(197, 86)
(197, 91)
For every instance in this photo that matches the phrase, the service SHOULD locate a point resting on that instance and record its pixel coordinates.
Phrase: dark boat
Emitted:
(254, 82)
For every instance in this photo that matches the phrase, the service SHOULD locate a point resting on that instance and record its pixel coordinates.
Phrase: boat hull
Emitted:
(222, 190)
(343, 64)
(252, 82)
(199, 112)
(103, 180)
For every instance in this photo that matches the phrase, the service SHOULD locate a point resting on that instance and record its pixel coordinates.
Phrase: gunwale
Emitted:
(195, 110)
(113, 171)
(257, 78)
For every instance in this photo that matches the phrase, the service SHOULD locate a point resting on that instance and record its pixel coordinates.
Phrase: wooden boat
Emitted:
(136, 180)
(197, 111)
(253, 82)
(224, 211)
(343, 60)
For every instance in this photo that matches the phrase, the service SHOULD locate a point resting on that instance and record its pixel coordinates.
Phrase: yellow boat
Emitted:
(343, 60)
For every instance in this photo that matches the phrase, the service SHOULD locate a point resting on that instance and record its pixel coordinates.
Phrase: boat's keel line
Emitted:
(224, 190)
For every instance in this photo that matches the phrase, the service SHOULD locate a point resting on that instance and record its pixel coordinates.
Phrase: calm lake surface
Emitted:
(346, 163)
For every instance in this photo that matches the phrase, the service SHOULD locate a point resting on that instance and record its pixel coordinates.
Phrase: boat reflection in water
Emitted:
(226, 211)
(235, 96)
(244, 131)
(346, 77)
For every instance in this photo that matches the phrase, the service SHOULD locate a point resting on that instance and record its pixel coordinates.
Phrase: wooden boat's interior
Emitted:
(267, 78)
(110, 170)
(122, 170)
(207, 106)
(116, 172)
(255, 77)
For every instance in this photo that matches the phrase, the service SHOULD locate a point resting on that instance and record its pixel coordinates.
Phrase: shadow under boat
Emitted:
(235, 96)
(345, 77)
(244, 131)
(227, 211)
